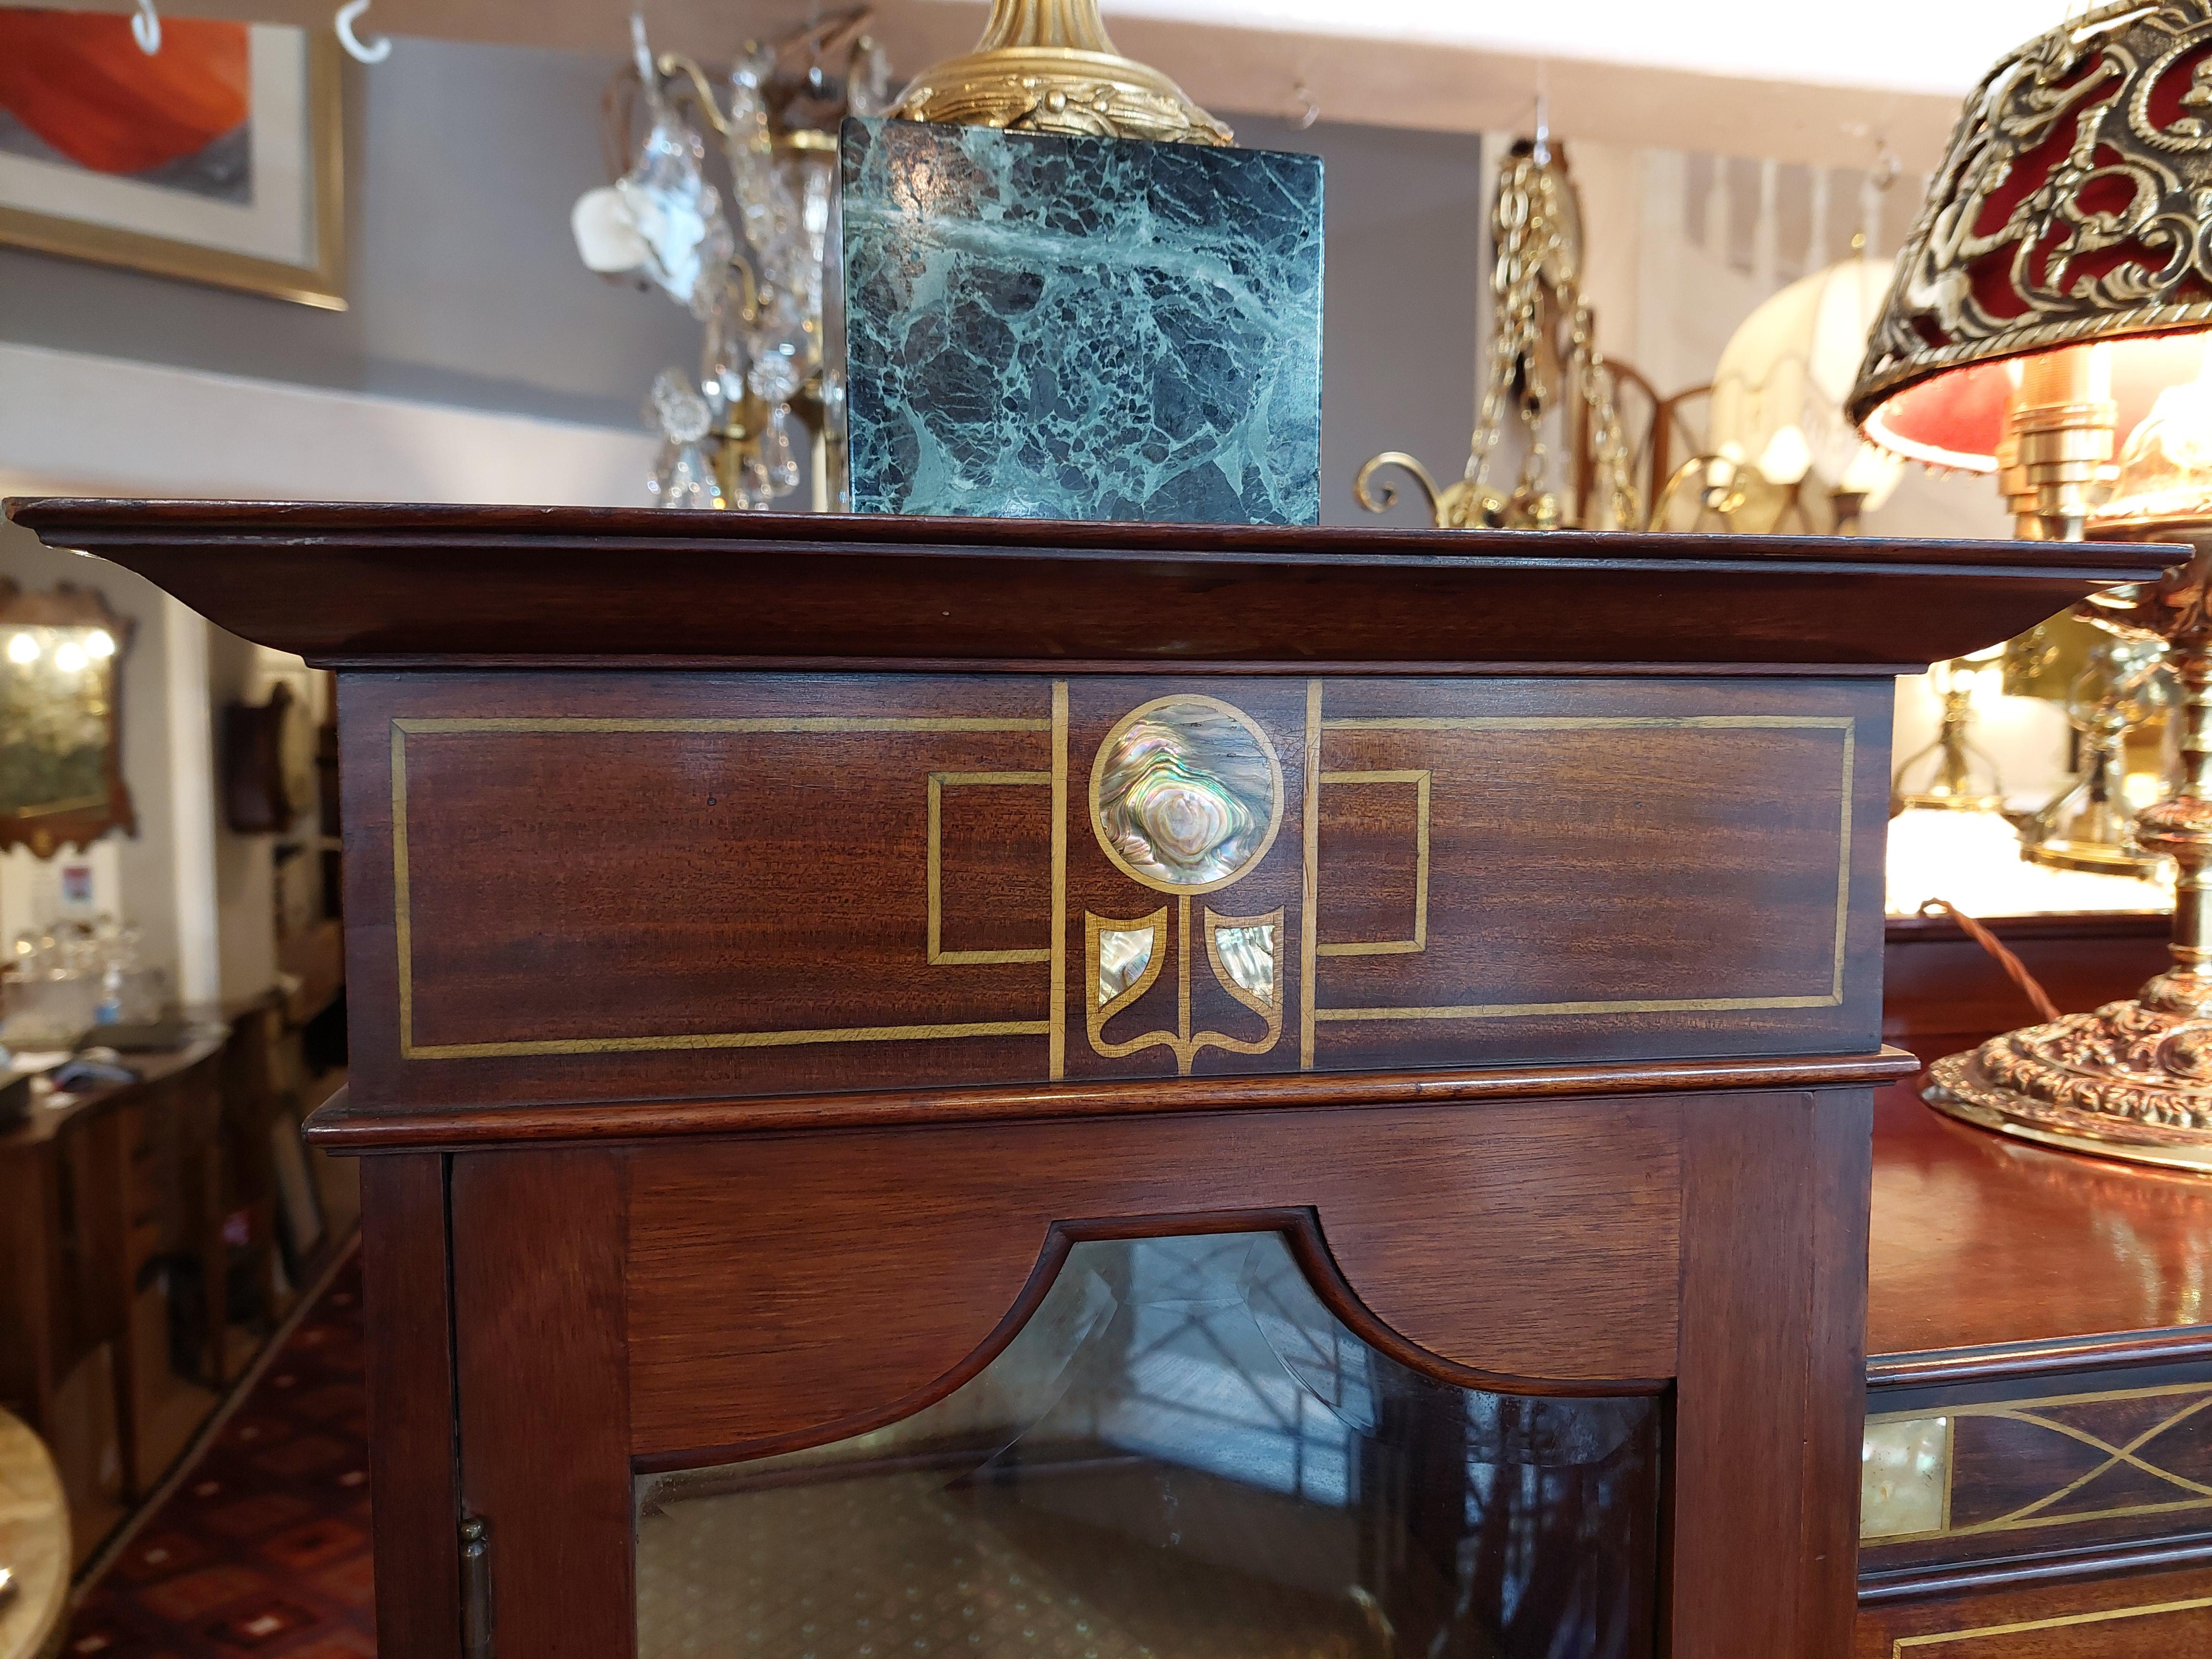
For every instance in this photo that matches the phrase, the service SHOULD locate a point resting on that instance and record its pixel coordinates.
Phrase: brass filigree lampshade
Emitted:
(1047, 66)
(2058, 282)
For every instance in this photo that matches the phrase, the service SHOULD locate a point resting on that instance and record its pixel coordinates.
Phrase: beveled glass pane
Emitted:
(1184, 1455)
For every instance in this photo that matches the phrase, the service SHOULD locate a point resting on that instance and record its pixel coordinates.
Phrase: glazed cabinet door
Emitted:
(1516, 1380)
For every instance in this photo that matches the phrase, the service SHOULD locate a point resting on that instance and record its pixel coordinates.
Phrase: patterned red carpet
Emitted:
(262, 1549)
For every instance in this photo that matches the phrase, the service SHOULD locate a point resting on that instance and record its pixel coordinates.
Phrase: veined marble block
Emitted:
(1080, 328)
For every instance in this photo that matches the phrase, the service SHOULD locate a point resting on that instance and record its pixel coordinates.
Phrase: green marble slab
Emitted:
(1080, 328)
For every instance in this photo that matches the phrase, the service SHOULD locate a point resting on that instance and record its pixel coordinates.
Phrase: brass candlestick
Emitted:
(1047, 66)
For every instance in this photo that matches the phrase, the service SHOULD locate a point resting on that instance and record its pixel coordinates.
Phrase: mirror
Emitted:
(61, 737)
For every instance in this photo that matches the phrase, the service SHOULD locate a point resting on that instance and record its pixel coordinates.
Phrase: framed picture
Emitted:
(218, 157)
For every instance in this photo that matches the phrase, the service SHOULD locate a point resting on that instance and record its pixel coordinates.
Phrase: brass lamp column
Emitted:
(1047, 66)
(2058, 273)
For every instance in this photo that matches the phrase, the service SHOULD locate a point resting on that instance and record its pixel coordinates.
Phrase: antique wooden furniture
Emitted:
(997, 1086)
(91, 1187)
(2040, 1347)
(2039, 1369)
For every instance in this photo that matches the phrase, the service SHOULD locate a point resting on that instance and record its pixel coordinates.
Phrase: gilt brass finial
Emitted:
(1047, 66)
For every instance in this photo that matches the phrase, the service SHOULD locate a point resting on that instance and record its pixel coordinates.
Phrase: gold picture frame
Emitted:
(318, 280)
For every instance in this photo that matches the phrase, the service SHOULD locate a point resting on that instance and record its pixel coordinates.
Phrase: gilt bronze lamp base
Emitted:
(2130, 1081)
(2133, 1079)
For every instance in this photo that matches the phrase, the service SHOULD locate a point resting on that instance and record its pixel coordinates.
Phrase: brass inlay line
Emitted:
(2061, 1621)
(1309, 895)
(631, 1045)
(1832, 998)
(939, 782)
(1580, 722)
(403, 909)
(403, 906)
(1419, 941)
(582, 723)
(2033, 1514)
(1056, 1044)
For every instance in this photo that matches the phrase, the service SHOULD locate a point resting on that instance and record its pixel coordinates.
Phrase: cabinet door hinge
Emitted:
(476, 1590)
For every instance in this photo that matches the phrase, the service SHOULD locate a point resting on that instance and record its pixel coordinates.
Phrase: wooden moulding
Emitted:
(338, 1127)
(521, 585)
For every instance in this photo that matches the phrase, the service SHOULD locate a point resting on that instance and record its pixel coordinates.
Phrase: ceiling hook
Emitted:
(361, 50)
(146, 27)
(1308, 111)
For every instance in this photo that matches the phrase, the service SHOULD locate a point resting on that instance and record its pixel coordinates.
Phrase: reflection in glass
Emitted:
(1184, 1455)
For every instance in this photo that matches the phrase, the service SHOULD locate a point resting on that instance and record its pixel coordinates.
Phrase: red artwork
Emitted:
(78, 82)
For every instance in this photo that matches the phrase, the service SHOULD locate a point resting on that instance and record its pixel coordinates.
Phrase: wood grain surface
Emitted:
(564, 887)
(345, 583)
(1531, 1242)
(414, 1483)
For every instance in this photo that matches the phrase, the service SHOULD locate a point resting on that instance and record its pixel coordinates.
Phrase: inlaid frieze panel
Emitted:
(1991, 1478)
(733, 884)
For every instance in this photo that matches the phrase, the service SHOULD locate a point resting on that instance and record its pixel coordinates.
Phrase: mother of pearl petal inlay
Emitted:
(1186, 794)
(1248, 954)
(1124, 953)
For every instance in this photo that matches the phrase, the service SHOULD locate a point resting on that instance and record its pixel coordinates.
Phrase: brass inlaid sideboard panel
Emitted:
(714, 884)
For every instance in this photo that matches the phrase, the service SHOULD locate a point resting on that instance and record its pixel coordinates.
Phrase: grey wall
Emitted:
(463, 162)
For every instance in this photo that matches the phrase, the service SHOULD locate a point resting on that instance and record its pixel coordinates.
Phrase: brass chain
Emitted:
(1526, 223)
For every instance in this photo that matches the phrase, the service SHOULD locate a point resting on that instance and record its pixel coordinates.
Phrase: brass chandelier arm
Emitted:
(1388, 498)
(674, 65)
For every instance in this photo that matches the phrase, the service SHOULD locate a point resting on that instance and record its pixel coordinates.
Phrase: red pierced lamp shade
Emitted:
(2070, 210)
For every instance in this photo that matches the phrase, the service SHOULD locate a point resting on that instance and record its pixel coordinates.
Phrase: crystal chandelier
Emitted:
(753, 274)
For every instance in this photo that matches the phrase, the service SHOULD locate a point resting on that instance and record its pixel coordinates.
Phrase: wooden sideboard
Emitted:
(945, 1085)
(2039, 1445)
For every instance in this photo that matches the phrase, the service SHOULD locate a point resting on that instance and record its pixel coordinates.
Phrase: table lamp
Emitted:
(2050, 305)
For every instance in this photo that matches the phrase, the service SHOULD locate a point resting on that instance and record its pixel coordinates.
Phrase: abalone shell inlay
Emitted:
(1080, 328)
(1186, 794)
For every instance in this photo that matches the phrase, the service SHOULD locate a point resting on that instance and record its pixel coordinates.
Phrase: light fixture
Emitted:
(23, 648)
(750, 270)
(1544, 365)
(2056, 282)
(1778, 395)
(99, 643)
(69, 657)
(1950, 775)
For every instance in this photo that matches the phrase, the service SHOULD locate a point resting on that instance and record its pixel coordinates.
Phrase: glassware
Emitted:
(1182, 1453)
(753, 274)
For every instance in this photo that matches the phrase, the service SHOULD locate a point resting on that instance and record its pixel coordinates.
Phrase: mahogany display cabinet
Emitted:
(946, 1087)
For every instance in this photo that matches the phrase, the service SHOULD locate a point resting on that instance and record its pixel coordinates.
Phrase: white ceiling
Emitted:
(1940, 46)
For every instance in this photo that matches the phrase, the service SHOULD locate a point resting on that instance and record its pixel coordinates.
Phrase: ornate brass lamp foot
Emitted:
(1047, 66)
(2134, 1079)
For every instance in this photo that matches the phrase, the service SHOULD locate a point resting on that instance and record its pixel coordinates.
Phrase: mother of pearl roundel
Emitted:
(1187, 794)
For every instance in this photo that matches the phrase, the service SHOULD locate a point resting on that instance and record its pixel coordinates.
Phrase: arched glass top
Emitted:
(1183, 1455)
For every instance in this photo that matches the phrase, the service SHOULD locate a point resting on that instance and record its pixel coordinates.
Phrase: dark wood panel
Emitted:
(2150, 1615)
(1536, 1241)
(1940, 988)
(1772, 1213)
(338, 1127)
(1580, 892)
(537, 1257)
(770, 588)
(661, 885)
(414, 1482)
